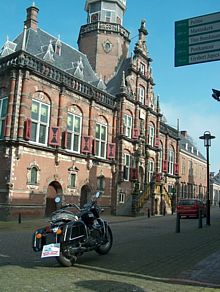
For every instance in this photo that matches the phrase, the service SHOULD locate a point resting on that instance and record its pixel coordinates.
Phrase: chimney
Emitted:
(31, 21)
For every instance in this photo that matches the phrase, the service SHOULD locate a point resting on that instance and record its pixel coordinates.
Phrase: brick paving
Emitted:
(161, 264)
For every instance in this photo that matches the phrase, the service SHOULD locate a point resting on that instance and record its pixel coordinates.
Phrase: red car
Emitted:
(190, 208)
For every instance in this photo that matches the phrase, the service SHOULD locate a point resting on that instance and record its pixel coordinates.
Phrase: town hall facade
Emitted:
(76, 121)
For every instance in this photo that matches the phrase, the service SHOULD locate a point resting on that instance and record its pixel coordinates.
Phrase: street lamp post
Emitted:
(207, 137)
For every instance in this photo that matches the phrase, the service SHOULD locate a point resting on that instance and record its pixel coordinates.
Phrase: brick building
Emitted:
(76, 121)
(192, 169)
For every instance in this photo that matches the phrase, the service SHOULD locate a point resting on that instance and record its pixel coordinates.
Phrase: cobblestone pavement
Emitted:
(153, 266)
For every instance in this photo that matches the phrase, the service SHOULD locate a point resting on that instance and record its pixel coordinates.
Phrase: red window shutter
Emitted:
(86, 146)
(135, 133)
(54, 136)
(5, 125)
(158, 177)
(157, 142)
(165, 165)
(176, 169)
(94, 147)
(28, 126)
(111, 150)
(133, 174)
(64, 140)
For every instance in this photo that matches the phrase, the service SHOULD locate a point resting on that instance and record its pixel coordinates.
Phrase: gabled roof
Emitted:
(186, 144)
(215, 179)
(43, 45)
(114, 84)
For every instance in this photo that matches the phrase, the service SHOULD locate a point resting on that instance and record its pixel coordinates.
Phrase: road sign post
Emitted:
(197, 40)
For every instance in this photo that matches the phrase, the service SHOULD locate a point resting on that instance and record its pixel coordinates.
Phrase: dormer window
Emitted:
(57, 47)
(8, 48)
(49, 53)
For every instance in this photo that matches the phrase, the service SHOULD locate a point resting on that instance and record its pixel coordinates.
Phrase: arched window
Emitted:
(150, 171)
(127, 125)
(160, 158)
(171, 160)
(151, 134)
(33, 178)
(101, 183)
(3, 113)
(142, 94)
(40, 122)
(101, 140)
(127, 166)
(74, 129)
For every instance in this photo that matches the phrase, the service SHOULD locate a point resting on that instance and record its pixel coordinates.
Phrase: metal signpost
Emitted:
(197, 39)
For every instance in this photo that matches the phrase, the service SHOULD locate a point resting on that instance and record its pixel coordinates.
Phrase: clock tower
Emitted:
(104, 39)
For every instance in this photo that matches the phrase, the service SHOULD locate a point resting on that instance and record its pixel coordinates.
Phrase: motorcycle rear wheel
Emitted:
(105, 247)
(66, 261)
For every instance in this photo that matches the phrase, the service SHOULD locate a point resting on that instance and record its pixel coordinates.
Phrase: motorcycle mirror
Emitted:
(57, 200)
(98, 194)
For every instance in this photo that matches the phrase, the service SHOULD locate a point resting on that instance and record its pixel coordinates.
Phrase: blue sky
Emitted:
(185, 92)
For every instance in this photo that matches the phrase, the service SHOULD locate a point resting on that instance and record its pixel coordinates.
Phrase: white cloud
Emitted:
(196, 118)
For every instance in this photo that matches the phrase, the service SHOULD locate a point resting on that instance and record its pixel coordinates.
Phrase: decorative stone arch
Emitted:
(85, 195)
(73, 108)
(54, 189)
(41, 96)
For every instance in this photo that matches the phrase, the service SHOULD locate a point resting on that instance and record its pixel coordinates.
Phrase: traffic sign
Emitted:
(197, 39)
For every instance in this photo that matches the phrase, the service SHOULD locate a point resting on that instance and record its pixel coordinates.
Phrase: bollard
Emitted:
(19, 218)
(177, 223)
(200, 218)
(148, 213)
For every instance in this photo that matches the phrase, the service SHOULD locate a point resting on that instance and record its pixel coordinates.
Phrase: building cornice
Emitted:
(24, 60)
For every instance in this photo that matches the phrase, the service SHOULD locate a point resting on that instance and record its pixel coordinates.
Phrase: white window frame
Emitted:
(127, 165)
(171, 157)
(108, 19)
(142, 68)
(150, 171)
(121, 198)
(151, 136)
(40, 123)
(2, 117)
(101, 142)
(142, 94)
(160, 160)
(72, 180)
(101, 183)
(128, 125)
(72, 134)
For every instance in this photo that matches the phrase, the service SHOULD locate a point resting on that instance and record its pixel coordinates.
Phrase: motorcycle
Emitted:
(71, 233)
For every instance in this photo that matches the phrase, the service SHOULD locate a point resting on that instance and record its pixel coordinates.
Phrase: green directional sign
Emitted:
(197, 39)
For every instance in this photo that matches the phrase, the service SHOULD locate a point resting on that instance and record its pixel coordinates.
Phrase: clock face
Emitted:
(107, 46)
(94, 17)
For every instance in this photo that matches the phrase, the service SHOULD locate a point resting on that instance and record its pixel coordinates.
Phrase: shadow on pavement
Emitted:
(105, 285)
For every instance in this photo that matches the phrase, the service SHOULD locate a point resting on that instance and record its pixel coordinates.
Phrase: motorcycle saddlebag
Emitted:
(76, 230)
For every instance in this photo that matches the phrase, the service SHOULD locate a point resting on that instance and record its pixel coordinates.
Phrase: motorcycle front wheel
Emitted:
(107, 244)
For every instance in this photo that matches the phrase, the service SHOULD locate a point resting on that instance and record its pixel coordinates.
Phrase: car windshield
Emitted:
(187, 202)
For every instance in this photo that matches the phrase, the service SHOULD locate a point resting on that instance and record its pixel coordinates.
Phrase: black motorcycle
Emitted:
(73, 232)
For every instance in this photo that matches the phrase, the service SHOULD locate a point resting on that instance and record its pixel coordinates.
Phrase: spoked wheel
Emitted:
(65, 260)
(107, 244)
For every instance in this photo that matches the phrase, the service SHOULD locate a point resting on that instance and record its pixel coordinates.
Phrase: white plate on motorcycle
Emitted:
(51, 250)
